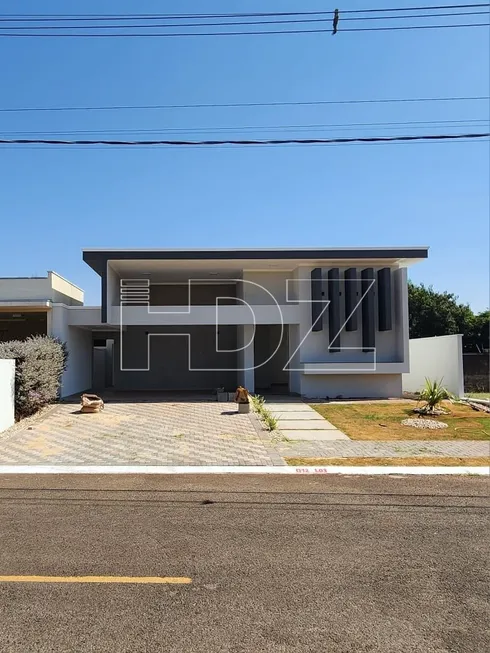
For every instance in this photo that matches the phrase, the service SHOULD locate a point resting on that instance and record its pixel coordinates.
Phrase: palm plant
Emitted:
(433, 394)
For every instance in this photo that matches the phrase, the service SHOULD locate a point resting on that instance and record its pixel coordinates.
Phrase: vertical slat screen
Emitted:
(368, 335)
(385, 322)
(316, 299)
(351, 298)
(334, 309)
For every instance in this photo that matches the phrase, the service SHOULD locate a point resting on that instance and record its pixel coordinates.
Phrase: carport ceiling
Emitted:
(174, 271)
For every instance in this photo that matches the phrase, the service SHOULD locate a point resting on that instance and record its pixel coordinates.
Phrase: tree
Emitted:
(434, 313)
(478, 336)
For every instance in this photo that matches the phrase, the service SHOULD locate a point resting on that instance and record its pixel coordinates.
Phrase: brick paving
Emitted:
(392, 449)
(184, 431)
(179, 432)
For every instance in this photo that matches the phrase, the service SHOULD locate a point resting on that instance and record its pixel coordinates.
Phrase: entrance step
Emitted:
(305, 425)
(289, 407)
(331, 434)
(298, 415)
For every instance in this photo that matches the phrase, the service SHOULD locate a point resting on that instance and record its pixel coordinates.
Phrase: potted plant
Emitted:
(242, 398)
(221, 394)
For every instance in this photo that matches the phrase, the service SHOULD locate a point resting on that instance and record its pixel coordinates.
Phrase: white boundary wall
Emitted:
(78, 375)
(7, 393)
(440, 357)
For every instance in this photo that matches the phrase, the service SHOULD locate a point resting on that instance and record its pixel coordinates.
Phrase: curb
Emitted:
(224, 469)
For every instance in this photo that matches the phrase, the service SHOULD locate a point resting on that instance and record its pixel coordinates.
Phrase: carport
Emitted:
(166, 358)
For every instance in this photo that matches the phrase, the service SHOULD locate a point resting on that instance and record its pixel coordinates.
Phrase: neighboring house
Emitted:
(315, 322)
(26, 303)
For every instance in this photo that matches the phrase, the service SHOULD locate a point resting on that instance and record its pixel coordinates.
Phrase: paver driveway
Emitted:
(175, 431)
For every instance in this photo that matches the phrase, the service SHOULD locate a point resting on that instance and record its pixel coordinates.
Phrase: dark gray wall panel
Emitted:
(316, 299)
(334, 309)
(201, 294)
(169, 358)
(368, 334)
(351, 289)
(385, 322)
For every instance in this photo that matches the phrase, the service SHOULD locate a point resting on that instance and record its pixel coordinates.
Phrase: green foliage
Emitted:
(39, 363)
(258, 403)
(434, 313)
(270, 421)
(433, 394)
(477, 336)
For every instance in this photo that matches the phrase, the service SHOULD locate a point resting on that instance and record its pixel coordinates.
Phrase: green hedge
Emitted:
(39, 363)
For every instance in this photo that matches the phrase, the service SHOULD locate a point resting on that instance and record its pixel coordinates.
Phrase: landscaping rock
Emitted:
(420, 423)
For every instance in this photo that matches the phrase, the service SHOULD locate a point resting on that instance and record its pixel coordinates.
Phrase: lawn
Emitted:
(381, 421)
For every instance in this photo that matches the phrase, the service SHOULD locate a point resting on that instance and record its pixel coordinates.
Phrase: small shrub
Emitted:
(39, 363)
(433, 394)
(270, 421)
(258, 403)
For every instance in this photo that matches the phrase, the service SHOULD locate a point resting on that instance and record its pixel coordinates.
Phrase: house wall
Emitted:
(113, 287)
(294, 361)
(274, 282)
(63, 291)
(440, 357)
(7, 393)
(246, 356)
(375, 386)
(99, 365)
(271, 355)
(13, 289)
(52, 287)
(169, 358)
(78, 375)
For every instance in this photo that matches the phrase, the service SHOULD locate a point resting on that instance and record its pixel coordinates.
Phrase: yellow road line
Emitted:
(146, 580)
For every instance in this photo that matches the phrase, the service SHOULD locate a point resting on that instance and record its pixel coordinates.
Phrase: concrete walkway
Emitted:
(298, 421)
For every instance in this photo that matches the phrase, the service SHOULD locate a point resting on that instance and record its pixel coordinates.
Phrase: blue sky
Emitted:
(54, 202)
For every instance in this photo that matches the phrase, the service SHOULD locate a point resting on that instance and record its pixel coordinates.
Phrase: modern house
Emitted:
(26, 304)
(316, 322)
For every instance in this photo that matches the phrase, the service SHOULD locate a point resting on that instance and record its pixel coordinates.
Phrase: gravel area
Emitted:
(420, 423)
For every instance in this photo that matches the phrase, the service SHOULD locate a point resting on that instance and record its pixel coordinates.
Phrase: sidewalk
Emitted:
(370, 449)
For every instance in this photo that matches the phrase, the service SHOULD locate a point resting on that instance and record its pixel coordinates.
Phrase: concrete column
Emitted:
(248, 357)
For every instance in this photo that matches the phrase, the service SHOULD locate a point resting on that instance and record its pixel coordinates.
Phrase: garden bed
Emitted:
(382, 421)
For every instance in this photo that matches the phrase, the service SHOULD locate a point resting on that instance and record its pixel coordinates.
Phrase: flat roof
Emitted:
(98, 257)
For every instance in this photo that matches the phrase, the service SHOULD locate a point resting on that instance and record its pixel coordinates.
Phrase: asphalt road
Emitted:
(280, 564)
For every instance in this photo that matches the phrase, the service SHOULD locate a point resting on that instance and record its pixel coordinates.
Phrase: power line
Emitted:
(416, 124)
(121, 17)
(234, 105)
(292, 141)
(426, 7)
(394, 28)
(232, 147)
(234, 23)
(237, 33)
